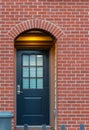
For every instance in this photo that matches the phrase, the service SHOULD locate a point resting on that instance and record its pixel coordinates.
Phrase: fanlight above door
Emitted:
(35, 38)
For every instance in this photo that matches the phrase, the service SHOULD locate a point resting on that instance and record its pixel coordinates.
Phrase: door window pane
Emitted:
(40, 83)
(32, 60)
(32, 83)
(25, 83)
(39, 60)
(32, 71)
(25, 72)
(25, 60)
(39, 71)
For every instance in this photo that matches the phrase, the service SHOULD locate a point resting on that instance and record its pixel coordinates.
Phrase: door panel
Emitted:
(32, 87)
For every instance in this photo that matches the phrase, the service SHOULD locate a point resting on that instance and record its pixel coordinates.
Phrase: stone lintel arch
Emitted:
(35, 24)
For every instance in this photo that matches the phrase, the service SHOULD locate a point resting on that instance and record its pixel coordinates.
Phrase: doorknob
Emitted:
(18, 89)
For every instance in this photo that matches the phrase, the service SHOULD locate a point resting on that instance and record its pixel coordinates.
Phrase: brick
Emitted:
(68, 22)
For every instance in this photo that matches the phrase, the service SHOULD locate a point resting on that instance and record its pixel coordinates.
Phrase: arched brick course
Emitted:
(35, 23)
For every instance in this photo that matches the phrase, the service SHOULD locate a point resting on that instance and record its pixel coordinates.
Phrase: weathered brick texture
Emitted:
(69, 18)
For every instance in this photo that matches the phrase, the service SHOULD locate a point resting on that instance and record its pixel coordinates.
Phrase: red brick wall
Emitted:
(72, 17)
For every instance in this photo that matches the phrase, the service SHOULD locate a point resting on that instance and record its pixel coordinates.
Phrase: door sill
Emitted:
(48, 127)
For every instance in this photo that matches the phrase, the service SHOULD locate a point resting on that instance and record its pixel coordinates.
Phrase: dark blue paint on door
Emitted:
(32, 87)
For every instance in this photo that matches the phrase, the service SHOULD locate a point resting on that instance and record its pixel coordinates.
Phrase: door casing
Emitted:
(52, 75)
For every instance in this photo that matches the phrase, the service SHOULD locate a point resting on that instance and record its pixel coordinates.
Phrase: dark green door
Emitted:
(32, 87)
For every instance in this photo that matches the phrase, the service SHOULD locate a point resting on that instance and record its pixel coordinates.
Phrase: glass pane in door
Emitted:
(39, 71)
(32, 60)
(25, 72)
(32, 71)
(39, 60)
(25, 60)
(40, 83)
(32, 83)
(25, 83)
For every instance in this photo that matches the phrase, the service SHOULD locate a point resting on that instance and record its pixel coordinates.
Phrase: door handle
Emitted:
(18, 89)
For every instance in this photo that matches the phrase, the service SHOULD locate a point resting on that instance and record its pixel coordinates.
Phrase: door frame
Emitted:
(52, 85)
